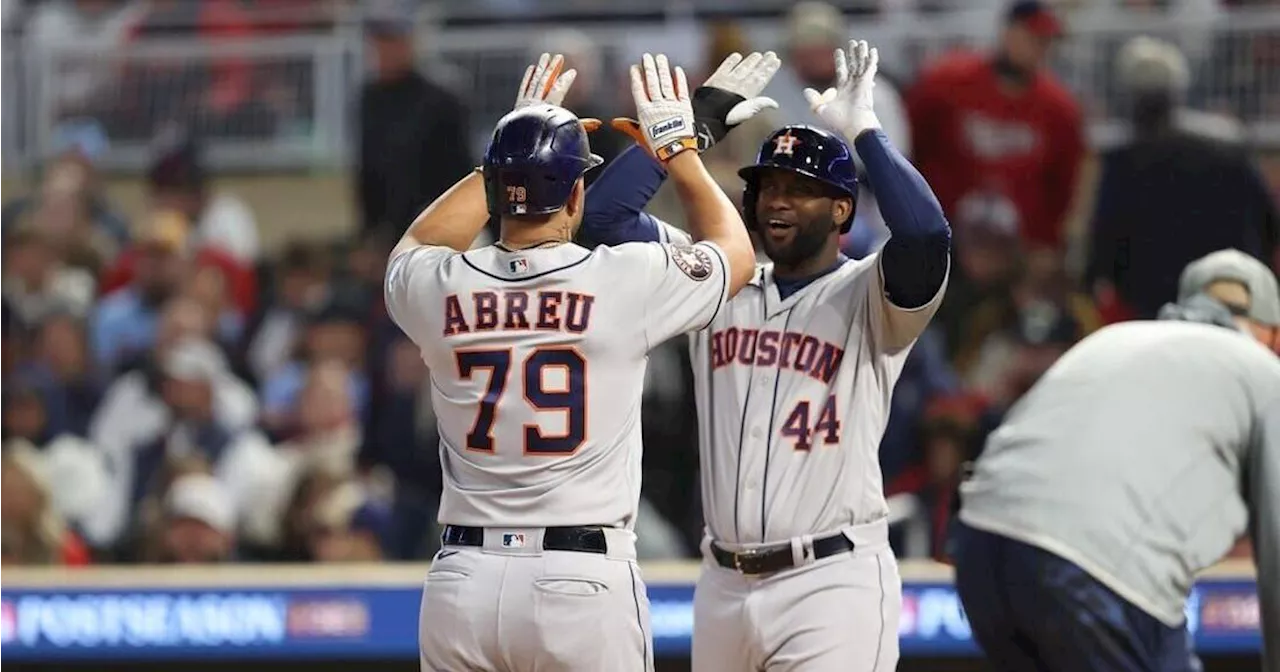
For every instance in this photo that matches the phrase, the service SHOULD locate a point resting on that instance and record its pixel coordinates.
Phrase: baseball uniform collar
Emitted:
(522, 265)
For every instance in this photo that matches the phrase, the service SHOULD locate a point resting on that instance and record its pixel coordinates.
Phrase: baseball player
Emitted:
(793, 380)
(537, 351)
(1136, 461)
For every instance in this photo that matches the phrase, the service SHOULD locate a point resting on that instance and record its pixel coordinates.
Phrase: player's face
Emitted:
(797, 217)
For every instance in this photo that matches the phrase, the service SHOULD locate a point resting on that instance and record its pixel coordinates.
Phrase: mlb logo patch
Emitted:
(519, 265)
(513, 540)
(519, 209)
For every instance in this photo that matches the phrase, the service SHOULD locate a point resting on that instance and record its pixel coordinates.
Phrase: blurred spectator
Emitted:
(69, 208)
(347, 525)
(183, 400)
(1012, 360)
(327, 440)
(301, 285)
(178, 181)
(71, 467)
(998, 133)
(334, 331)
(1182, 186)
(985, 264)
(1042, 290)
(124, 324)
(62, 367)
(412, 131)
(33, 532)
(36, 281)
(198, 523)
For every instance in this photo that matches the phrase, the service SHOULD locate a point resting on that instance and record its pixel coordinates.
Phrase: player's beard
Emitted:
(808, 242)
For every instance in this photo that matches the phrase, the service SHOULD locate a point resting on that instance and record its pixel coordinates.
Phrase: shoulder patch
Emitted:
(695, 262)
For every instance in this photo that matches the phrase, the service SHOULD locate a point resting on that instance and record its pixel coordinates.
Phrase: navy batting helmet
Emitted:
(810, 152)
(535, 156)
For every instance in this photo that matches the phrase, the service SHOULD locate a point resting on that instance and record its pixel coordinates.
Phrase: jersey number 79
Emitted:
(572, 400)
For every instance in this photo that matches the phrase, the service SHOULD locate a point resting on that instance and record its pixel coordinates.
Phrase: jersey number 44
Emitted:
(571, 399)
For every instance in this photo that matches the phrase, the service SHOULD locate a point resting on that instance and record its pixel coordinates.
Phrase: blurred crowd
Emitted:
(174, 392)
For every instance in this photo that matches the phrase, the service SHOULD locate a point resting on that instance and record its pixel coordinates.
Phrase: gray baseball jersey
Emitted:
(537, 362)
(793, 397)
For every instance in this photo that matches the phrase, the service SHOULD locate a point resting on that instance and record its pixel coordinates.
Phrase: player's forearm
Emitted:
(713, 217)
(616, 201)
(914, 259)
(453, 220)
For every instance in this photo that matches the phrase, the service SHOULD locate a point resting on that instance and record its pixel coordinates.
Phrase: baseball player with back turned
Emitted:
(537, 351)
(793, 380)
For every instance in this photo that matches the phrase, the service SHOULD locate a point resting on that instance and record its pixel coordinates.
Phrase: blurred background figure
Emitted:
(34, 532)
(997, 133)
(197, 523)
(1182, 185)
(413, 132)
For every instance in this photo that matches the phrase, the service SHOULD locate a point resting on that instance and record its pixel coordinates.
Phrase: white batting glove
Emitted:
(847, 107)
(731, 95)
(544, 83)
(663, 109)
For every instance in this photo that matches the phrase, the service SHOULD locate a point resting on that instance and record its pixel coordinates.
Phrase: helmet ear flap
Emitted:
(749, 205)
(853, 213)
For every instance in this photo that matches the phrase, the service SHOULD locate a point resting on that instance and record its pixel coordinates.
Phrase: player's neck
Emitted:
(521, 235)
(808, 268)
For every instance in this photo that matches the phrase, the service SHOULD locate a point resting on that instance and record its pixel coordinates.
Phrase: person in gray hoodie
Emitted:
(1135, 462)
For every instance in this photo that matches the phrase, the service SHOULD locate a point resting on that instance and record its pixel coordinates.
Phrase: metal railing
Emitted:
(287, 102)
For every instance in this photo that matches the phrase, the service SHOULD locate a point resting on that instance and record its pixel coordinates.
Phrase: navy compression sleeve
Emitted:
(615, 202)
(914, 259)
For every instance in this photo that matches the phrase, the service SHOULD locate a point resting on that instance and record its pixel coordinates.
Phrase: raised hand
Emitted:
(731, 95)
(664, 112)
(847, 107)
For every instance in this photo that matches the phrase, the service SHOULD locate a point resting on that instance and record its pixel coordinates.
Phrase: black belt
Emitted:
(579, 539)
(778, 558)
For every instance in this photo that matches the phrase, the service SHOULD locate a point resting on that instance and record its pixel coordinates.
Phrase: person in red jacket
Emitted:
(997, 135)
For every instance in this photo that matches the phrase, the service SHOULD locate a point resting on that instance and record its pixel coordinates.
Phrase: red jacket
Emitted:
(242, 281)
(970, 138)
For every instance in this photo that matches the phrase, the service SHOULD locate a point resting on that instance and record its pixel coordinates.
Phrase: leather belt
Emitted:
(778, 558)
(577, 539)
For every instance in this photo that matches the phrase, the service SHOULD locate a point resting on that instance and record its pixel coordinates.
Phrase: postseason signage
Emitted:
(380, 621)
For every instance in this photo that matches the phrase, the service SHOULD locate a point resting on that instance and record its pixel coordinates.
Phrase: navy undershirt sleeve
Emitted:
(914, 259)
(615, 202)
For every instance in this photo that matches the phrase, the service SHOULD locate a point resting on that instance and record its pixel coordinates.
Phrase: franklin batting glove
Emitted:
(664, 122)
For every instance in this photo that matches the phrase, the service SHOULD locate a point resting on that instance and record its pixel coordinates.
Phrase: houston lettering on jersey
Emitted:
(518, 310)
(785, 350)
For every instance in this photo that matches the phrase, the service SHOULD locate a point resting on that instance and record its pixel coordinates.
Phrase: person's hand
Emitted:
(544, 83)
(547, 83)
(731, 95)
(664, 112)
(847, 107)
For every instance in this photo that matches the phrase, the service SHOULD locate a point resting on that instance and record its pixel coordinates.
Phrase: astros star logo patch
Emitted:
(694, 261)
(785, 144)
